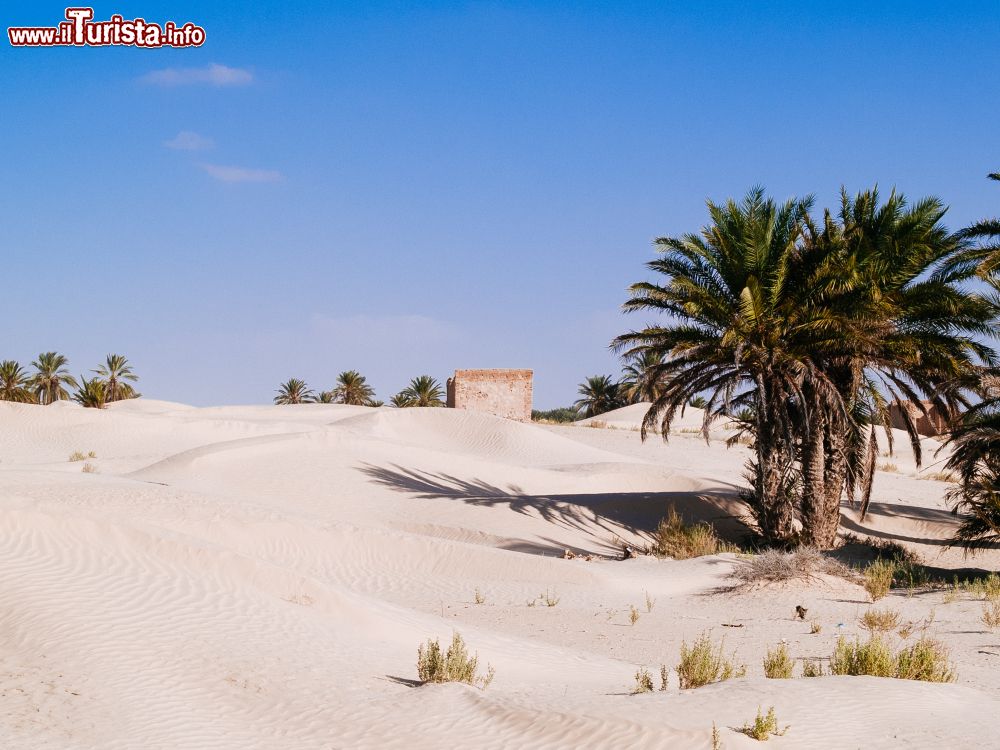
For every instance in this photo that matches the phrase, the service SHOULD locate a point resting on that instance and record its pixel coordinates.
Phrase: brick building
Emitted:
(504, 393)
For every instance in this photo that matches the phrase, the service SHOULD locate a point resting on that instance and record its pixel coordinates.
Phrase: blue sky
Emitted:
(413, 188)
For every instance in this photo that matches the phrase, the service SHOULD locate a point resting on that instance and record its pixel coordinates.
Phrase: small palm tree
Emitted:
(14, 383)
(599, 394)
(374, 403)
(325, 397)
(51, 378)
(975, 458)
(641, 379)
(352, 388)
(401, 400)
(294, 391)
(114, 372)
(92, 393)
(423, 391)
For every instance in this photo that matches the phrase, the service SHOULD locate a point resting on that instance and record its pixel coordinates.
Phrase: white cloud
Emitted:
(212, 75)
(241, 174)
(189, 141)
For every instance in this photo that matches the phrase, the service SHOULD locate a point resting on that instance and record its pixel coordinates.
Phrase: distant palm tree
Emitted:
(599, 394)
(423, 391)
(14, 383)
(401, 400)
(113, 373)
(92, 393)
(352, 388)
(641, 379)
(295, 391)
(51, 378)
(374, 403)
(325, 397)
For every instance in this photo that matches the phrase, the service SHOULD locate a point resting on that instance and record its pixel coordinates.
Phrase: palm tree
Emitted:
(975, 457)
(984, 255)
(599, 393)
(422, 391)
(325, 397)
(352, 388)
(738, 328)
(113, 373)
(640, 381)
(14, 383)
(51, 378)
(294, 391)
(92, 393)
(402, 400)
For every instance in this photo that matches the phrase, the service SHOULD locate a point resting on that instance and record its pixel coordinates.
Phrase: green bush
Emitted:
(702, 664)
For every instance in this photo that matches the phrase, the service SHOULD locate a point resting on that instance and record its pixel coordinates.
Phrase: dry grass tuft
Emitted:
(650, 601)
(664, 674)
(878, 578)
(763, 726)
(925, 660)
(888, 466)
(991, 615)
(775, 566)
(880, 620)
(987, 588)
(479, 598)
(89, 468)
(702, 664)
(633, 615)
(643, 682)
(815, 628)
(812, 668)
(456, 665)
(778, 664)
(681, 541)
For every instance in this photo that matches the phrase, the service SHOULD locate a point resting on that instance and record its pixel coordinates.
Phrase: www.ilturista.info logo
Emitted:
(80, 30)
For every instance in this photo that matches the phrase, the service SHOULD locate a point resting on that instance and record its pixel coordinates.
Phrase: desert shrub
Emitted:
(880, 620)
(991, 615)
(89, 468)
(633, 615)
(812, 668)
(551, 599)
(924, 660)
(878, 578)
(763, 726)
(650, 601)
(987, 588)
(702, 664)
(778, 664)
(676, 539)
(664, 673)
(77, 456)
(479, 598)
(456, 665)
(561, 415)
(643, 682)
(889, 467)
(815, 628)
(775, 566)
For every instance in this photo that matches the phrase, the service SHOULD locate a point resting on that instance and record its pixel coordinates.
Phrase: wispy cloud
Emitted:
(189, 141)
(241, 174)
(212, 75)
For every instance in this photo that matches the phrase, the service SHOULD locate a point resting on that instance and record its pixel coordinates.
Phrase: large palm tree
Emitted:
(598, 394)
(15, 383)
(294, 391)
(51, 378)
(422, 391)
(352, 388)
(116, 373)
(738, 330)
(639, 381)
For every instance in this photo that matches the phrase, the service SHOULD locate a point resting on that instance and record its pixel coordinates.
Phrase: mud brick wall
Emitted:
(504, 393)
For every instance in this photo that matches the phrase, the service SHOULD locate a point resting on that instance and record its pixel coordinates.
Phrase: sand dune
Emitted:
(260, 577)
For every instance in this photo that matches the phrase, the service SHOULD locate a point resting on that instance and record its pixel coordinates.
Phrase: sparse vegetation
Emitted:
(703, 663)
(991, 615)
(479, 598)
(878, 578)
(89, 468)
(555, 416)
(812, 668)
(676, 539)
(650, 601)
(987, 588)
(815, 628)
(664, 674)
(77, 456)
(550, 598)
(880, 620)
(633, 615)
(778, 664)
(763, 726)
(926, 660)
(643, 682)
(454, 666)
(716, 738)
(775, 566)
(889, 467)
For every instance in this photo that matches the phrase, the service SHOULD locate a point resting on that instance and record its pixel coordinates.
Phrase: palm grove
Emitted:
(50, 380)
(804, 330)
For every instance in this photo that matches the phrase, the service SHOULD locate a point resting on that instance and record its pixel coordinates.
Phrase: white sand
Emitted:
(260, 577)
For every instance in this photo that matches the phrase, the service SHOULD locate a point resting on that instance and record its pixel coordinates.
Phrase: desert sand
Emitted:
(261, 577)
